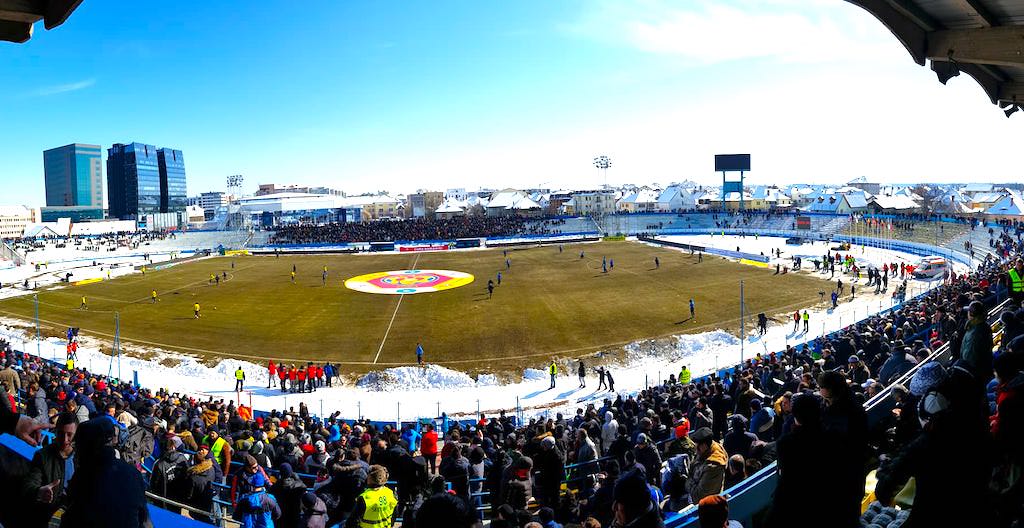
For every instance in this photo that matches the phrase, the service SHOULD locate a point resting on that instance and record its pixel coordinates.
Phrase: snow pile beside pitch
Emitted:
(534, 374)
(428, 377)
(685, 346)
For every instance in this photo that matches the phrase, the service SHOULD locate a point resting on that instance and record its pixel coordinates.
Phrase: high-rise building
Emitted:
(173, 196)
(142, 180)
(73, 176)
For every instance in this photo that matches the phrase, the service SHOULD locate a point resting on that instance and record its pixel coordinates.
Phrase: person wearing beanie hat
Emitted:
(737, 441)
(713, 512)
(976, 346)
(255, 507)
(313, 513)
(375, 506)
(707, 473)
(289, 490)
(927, 377)
(632, 504)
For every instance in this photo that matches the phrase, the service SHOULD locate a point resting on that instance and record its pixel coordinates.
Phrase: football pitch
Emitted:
(549, 303)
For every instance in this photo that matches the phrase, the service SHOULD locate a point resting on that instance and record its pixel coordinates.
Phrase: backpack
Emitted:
(138, 446)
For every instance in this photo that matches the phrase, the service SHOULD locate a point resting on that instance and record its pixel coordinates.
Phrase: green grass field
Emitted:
(548, 304)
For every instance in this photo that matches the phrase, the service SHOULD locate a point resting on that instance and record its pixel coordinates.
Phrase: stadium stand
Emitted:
(790, 438)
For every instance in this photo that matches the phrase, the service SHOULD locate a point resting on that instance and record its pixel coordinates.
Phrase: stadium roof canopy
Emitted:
(18, 16)
(981, 38)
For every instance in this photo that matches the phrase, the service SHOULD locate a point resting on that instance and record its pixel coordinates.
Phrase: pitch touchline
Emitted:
(397, 306)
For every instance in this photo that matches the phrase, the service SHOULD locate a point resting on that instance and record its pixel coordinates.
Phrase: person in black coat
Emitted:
(846, 425)
(105, 491)
(455, 469)
(939, 485)
(738, 440)
(347, 480)
(549, 471)
(288, 490)
(802, 465)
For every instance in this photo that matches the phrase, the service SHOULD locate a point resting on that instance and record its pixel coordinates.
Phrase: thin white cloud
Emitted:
(709, 32)
(64, 88)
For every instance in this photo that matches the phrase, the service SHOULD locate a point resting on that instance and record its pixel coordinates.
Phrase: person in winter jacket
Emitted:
(899, 363)
(313, 513)
(646, 454)
(455, 469)
(738, 440)
(707, 471)
(762, 421)
(289, 490)
(104, 490)
(256, 508)
(632, 506)
(428, 447)
(519, 489)
(937, 486)
(169, 478)
(586, 456)
(201, 476)
(37, 408)
(976, 347)
(609, 430)
(845, 424)
(44, 486)
(346, 481)
(549, 471)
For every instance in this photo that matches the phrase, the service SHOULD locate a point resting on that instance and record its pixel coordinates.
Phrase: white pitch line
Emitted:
(397, 306)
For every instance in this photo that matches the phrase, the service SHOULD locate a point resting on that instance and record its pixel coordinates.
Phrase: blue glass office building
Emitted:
(73, 176)
(173, 196)
(142, 179)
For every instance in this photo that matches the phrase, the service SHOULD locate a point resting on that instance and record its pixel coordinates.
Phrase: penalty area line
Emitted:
(397, 306)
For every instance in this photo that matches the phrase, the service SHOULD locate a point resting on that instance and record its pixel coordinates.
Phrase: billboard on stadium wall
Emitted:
(803, 222)
(432, 247)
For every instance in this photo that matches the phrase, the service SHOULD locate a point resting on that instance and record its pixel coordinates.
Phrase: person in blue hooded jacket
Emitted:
(255, 508)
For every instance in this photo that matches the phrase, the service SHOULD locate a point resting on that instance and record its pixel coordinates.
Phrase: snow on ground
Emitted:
(411, 392)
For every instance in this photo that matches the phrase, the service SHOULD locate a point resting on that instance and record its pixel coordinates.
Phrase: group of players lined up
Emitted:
(294, 378)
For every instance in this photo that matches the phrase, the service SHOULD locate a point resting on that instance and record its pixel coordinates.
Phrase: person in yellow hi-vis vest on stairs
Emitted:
(553, 370)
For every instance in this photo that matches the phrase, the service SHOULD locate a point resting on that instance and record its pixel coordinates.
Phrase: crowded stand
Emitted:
(636, 459)
(410, 229)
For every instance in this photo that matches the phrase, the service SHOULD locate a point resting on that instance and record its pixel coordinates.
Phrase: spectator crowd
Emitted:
(630, 461)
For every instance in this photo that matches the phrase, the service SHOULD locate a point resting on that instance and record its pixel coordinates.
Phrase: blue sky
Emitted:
(364, 96)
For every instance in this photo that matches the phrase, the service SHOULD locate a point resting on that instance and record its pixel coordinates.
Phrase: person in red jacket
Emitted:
(428, 447)
(301, 375)
(319, 376)
(293, 377)
(310, 376)
(272, 369)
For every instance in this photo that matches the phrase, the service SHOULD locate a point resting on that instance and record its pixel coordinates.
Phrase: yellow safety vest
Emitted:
(380, 506)
(553, 369)
(684, 376)
(71, 364)
(1016, 281)
(217, 448)
(239, 375)
(807, 316)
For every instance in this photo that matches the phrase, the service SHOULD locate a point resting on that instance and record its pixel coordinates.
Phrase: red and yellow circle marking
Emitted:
(407, 282)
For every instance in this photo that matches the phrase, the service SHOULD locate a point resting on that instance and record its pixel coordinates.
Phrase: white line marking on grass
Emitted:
(397, 306)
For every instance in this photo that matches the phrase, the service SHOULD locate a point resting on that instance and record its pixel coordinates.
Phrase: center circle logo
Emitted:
(405, 282)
